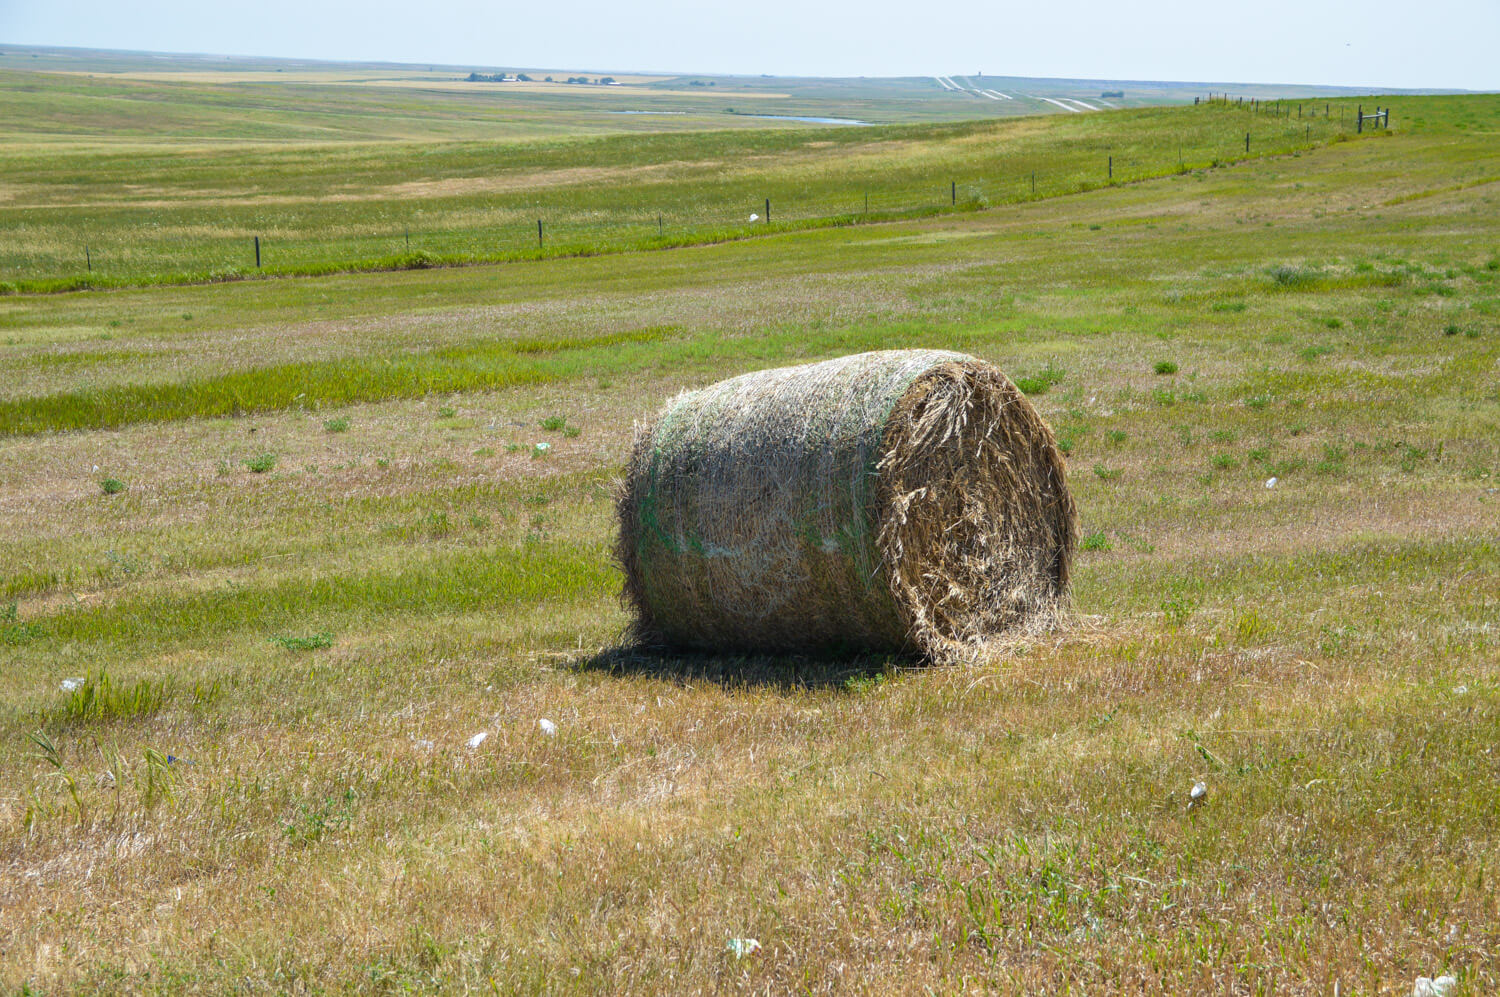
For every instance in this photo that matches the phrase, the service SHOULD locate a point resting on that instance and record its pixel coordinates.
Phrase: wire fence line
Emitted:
(607, 220)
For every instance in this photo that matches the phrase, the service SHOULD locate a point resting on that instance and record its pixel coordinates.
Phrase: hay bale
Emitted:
(903, 500)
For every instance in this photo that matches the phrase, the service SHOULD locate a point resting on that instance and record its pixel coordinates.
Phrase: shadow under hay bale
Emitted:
(904, 500)
(823, 668)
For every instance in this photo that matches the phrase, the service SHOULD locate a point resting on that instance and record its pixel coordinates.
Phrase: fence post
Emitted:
(953, 193)
(88, 258)
(1033, 181)
(768, 211)
(1247, 141)
(538, 233)
(1111, 167)
(1359, 125)
(659, 230)
(257, 252)
(408, 237)
(867, 202)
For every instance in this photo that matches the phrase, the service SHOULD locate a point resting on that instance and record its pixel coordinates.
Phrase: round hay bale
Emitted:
(902, 500)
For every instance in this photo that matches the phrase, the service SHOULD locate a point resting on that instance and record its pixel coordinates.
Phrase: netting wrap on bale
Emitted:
(903, 500)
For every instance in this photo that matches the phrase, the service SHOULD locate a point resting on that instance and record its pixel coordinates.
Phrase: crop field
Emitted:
(292, 569)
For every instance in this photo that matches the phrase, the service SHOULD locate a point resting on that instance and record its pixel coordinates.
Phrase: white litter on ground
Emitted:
(742, 947)
(68, 685)
(754, 217)
(1433, 988)
(1270, 482)
(1198, 793)
(548, 727)
(478, 739)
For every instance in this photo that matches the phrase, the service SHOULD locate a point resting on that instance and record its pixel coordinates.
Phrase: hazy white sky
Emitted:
(1373, 43)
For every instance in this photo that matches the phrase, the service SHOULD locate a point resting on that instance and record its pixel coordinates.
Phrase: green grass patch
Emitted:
(329, 382)
(303, 642)
(100, 699)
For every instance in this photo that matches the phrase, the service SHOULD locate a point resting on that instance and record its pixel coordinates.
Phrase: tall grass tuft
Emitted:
(100, 699)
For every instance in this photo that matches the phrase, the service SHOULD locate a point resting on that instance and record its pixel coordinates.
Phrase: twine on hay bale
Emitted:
(901, 500)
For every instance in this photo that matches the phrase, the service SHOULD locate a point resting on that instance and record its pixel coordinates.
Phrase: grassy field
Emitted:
(292, 546)
(124, 180)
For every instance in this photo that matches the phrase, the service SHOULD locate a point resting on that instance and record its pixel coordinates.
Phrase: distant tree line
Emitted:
(498, 78)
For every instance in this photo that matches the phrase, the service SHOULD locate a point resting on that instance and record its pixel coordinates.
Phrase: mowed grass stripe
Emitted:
(324, 382)
(451, 583)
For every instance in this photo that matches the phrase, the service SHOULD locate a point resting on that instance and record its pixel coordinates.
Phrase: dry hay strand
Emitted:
(901, 500)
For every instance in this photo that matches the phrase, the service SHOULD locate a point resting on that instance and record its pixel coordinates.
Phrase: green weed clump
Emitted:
(260, 463)
(1289, 276)
(303, 642)
(99, 698)
(112, 486)
(1049, 376)
(1165, 367)
(338, 424)
(1032, 385)
(1335, 460)
(1095, 541)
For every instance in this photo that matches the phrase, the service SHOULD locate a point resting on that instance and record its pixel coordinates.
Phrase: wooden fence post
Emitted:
(538, 233)
(953, 193)
(257, 252)
(768, 211)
